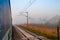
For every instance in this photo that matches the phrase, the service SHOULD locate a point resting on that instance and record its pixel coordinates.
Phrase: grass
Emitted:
(43, 31)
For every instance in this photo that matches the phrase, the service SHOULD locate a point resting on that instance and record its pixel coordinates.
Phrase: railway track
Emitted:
(26, 35)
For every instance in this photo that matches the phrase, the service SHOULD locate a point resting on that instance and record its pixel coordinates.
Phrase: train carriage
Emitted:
(5, 20)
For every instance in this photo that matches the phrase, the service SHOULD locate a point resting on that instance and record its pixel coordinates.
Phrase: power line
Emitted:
(27, 12)
(26, 16)
(30, 3)
(28, 7)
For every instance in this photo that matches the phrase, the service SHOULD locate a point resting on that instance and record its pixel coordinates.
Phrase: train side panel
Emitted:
(5, 20)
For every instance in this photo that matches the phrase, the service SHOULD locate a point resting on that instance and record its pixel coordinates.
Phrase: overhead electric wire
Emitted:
(28, 17)
(29, 4)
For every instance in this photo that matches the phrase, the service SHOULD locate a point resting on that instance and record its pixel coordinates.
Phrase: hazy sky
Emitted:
(39, 9)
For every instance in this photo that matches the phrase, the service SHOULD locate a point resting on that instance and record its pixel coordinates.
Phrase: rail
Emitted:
(28, 35)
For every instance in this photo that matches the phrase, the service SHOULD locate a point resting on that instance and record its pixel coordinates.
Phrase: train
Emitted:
(5, 20)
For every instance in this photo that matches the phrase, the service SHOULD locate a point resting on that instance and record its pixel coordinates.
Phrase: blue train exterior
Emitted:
(5, 20)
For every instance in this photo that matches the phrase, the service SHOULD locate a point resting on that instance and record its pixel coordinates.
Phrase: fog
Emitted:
(39, 10)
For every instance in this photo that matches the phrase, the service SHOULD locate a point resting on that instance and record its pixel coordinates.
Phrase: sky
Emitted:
(40, 9)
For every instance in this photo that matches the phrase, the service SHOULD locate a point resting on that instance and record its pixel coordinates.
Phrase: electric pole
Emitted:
(58, 29)
(27, 18)
(57, 32)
